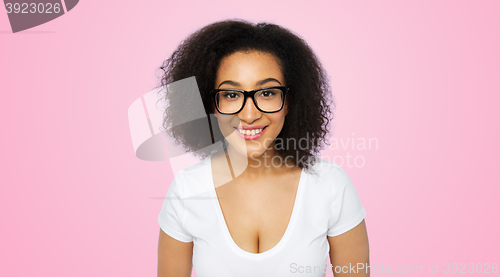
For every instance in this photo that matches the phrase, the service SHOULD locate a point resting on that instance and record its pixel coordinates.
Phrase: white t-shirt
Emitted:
(326, 204)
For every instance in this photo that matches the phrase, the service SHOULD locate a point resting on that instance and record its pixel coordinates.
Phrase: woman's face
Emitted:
(249, 71)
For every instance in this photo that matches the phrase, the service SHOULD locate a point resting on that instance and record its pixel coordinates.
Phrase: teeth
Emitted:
(250, 132)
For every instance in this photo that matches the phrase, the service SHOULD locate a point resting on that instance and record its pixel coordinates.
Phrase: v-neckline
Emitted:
(227, 234)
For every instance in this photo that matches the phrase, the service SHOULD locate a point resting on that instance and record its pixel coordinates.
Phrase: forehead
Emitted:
(247, 68)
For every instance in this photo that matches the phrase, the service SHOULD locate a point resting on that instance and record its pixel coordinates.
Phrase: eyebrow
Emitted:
(262, 82)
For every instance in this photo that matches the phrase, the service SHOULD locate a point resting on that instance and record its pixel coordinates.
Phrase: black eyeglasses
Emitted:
(267, 100)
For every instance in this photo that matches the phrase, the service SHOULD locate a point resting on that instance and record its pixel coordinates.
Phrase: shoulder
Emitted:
(193, 180)
(327, 169)
(329, 174)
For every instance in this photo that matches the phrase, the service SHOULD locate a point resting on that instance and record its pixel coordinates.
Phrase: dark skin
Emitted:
(175, 257)
(264, 195)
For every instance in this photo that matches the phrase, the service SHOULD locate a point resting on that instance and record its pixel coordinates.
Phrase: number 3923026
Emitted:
(33, 7)
(470, 268)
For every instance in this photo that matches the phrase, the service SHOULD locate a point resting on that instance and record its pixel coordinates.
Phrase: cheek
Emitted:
(226, 122)
(279, 118)
(278, 121)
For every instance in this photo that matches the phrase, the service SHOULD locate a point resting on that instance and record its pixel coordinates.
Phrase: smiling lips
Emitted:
(250, 132)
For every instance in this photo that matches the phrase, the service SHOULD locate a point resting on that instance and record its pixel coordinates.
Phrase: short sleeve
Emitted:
(172, 215)
(347, 211)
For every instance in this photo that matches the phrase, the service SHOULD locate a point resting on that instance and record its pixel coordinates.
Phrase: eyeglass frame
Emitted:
(251, 94)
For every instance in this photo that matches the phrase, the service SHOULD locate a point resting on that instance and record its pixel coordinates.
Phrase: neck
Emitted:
(263, 164)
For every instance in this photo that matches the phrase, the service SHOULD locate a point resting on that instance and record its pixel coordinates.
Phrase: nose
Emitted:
(249, 113)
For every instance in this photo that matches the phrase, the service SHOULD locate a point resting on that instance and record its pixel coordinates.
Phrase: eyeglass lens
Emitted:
(268, 100)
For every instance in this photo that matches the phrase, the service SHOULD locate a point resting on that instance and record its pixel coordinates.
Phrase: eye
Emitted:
(267, 94)
(229, 94)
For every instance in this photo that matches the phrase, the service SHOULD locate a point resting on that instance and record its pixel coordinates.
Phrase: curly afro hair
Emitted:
(310, 101)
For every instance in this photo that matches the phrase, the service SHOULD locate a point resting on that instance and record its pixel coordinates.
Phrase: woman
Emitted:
(278, 210)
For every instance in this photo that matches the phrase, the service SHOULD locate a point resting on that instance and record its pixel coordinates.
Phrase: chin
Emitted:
(255, 153)
(244, 149)
(249, 152)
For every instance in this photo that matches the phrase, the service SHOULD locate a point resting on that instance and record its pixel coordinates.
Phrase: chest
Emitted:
(247, 236)
(257, 217)
(251, 233)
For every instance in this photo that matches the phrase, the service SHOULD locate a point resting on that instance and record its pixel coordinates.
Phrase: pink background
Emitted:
(422, 77)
